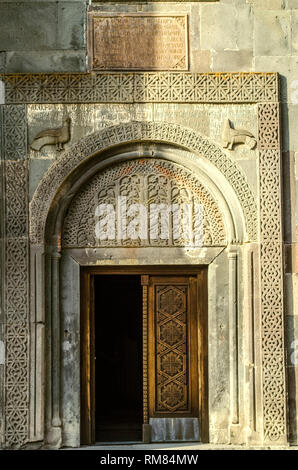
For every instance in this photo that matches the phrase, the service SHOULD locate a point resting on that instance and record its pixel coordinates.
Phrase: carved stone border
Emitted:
(133, 132)
(128, 88)
(15, 276)
(272, 317)
(141, 87)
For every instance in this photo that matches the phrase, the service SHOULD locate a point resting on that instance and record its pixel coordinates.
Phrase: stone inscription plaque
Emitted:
(138, 42)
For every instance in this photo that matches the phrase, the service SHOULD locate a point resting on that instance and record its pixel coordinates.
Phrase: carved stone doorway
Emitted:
(143, 354)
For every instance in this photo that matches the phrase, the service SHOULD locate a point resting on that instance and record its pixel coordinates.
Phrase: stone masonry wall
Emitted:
(225, 35)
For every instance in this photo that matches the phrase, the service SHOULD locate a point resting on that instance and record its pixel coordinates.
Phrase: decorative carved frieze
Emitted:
(137, 131)
(141, 87)
(16, 187)
(16, 304)
(149, 183)
(269, 127)
(273, 352)
(14, 132)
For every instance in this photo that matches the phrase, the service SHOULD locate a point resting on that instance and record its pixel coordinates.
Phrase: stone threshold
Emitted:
(176, 446)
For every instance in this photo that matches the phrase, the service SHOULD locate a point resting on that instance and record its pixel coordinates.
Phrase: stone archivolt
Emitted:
(137, 132)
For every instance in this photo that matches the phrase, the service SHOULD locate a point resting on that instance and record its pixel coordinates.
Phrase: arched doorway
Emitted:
(68, 248)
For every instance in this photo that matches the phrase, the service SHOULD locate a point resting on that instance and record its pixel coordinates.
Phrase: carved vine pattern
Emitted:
(147, 182)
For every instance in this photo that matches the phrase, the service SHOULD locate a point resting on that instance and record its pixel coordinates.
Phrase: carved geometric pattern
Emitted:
(141, 87)
(16, 197)
(14, 132)
(147, 182)
(145, 355)
(138, 131)
(16, 385)
(16, 304)
(171, 348)
(273, 359)
(269, 127)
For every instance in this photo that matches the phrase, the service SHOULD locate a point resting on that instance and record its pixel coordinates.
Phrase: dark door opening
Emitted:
(118, 353)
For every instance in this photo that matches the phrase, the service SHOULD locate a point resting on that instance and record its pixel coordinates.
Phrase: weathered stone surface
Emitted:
(42, 25)
(44, 61)
(138, 42)
(272, 33)
(217, 20)
(295, 32)
(174, 429)
(36, 26)
(71, 18)
(267, 4)
(2, 62)
(200, 61)
(37, 168)
(232, 61)
(292, 4)
(293, 387)
(292, 334)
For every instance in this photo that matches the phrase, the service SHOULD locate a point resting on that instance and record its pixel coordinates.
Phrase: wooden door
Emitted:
(173, 352)
(174, 346)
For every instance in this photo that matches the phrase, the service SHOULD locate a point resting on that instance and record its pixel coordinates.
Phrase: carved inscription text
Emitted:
(138, 42)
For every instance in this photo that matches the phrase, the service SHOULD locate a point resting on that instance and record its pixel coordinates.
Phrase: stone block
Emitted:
(288, 176)
(37, 169)
(292, 373)
(46, 62)
(292, 4)
(292, 335)
(200, 61)
(232, 61)
(185, 115)
(295, 32)
(272, 32)
(2, 62)
(71, 25)
(293, 123)
(267, 4)
(28, 26)
(226, 27)
(277, 63)
(174, 429)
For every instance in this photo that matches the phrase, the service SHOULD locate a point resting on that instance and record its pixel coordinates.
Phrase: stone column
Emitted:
(54, 431)
(233, 339)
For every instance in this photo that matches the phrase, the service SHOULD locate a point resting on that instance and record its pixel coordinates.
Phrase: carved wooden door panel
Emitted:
(173, 347)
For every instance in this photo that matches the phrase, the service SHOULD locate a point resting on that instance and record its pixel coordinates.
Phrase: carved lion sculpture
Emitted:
(231, 136)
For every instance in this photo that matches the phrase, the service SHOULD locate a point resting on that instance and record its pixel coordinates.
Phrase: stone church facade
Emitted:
(201, 114)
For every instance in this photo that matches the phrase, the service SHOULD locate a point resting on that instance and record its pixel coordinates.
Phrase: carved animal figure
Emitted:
(232, 136)
(58, 137)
